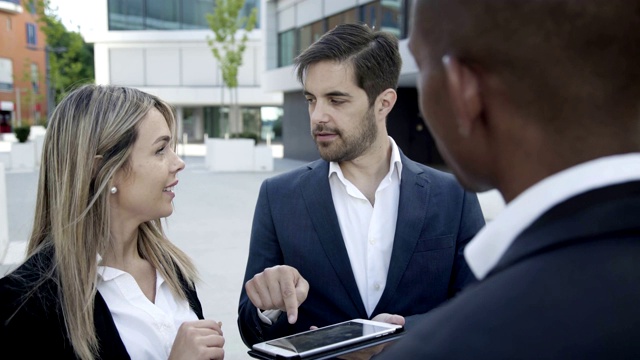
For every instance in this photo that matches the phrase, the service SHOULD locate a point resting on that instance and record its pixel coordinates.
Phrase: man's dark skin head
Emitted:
(515, 91)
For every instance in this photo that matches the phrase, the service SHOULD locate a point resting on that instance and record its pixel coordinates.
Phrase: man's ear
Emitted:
(385, 102)
(464, 92)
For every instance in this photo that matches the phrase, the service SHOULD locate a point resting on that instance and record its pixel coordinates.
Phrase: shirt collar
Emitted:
(395, 163)
(488, 246)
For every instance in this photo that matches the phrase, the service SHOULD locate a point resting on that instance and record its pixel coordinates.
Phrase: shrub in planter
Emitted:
(246, 135)
(22, 133)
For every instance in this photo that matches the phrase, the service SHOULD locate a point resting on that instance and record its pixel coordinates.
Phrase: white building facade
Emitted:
(160, 46)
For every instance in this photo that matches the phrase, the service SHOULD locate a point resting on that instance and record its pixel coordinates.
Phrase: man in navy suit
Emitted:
(364, 232)
(541, 100)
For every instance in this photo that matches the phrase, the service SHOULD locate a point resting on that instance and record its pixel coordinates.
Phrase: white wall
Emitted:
(179, 65)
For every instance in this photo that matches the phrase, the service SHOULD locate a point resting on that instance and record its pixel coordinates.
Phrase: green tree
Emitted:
(30, 96)
(227, 47)
(70, 57)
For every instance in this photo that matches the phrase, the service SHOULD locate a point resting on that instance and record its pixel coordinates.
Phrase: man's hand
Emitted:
(200, 339)
(280, 287)
(389, 319)
(368, 353)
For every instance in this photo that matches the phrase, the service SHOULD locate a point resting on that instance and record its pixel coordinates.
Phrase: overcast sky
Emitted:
(75, 14)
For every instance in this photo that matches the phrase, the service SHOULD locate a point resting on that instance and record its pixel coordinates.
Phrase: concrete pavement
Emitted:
(211, 222)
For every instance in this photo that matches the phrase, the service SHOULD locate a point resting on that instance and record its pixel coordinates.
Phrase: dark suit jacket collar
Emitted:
(595, 214)
(414, 188)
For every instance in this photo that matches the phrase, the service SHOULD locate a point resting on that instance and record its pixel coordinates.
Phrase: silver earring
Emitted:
(114, 190)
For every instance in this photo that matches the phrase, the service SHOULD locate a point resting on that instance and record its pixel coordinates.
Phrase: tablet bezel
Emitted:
(382, 329)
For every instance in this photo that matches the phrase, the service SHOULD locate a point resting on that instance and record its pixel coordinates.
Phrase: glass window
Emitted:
(162, 14)
(189, 123)
(271, 123)
(286, 47)
(310, 33)
(31, 34)
(126, 14)
(392, 17)
(6, 74)
(34, 78)
(386, 15)
(251, 121)
(194, 13)
(345, 17)
(369, 14)
(213, 125)
(248, 6)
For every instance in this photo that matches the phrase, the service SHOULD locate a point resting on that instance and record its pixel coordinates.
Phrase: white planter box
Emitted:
(23, 155)
(9, 137)
(229, 154)
(5, 159)
(262, 158)
(36, 130)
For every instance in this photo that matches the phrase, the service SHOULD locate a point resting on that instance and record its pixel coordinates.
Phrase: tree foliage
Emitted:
(227, 48)
(70, 57)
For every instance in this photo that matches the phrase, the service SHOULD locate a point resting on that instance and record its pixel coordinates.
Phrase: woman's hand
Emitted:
(200, 339)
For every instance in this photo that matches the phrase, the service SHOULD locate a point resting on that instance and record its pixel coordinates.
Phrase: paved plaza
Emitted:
(211, 222)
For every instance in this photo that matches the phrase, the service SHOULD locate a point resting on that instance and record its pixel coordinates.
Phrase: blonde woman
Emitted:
(101, 280)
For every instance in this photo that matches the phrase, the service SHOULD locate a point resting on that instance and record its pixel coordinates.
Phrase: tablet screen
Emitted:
(326, 336)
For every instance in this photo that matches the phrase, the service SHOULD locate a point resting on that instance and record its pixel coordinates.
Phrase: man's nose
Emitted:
(318, 114)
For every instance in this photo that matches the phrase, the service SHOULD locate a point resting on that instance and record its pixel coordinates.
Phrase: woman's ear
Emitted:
(464, 92)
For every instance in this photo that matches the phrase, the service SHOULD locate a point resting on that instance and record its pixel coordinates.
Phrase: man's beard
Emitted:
(350, 146)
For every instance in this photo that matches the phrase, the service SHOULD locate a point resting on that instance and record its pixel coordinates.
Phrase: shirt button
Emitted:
(372, 241)
(376, 286)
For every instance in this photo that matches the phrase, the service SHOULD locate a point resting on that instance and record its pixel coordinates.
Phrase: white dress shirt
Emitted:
(147, 329)
(368, 230)
(490, 244)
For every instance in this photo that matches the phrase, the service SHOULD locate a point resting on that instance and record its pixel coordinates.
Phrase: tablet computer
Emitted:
(328, 339)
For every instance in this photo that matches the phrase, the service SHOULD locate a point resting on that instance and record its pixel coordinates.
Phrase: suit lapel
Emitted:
(412, 210)
(604, 212)
(317, 196)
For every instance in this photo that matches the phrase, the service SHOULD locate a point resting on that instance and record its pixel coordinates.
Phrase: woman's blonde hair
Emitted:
(89, 138)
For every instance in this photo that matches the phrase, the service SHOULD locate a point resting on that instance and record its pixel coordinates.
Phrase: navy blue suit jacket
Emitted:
(295, 224)
(567, 288)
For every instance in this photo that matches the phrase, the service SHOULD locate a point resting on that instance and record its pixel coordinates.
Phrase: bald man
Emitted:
(541, 100)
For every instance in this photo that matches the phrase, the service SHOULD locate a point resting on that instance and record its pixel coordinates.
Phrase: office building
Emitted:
(160, 46)
(23, 99)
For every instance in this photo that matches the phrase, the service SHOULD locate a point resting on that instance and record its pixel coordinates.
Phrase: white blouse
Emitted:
(147, 329)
